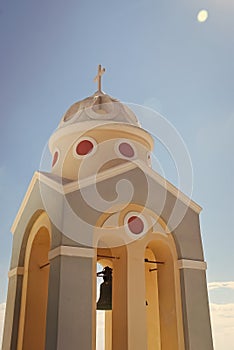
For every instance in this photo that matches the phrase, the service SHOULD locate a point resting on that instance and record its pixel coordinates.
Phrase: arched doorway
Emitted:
(32, 327)
(164, 318)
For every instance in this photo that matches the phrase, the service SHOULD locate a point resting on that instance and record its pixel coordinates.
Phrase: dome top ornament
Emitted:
(99, 75)
(99, 108)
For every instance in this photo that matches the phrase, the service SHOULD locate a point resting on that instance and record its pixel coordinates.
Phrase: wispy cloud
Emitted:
(222, 316)
(226, 310)
(222, 320)
(217, 285)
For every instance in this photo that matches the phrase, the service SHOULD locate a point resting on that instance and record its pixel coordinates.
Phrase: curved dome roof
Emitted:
(98, 107)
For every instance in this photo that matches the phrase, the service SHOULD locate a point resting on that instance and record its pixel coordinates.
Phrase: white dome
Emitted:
(105, 125)
(98, 107)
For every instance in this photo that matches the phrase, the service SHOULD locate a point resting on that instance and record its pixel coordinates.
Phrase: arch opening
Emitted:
(114, 321)
(103, 317)
(163, 297)
(32, 325)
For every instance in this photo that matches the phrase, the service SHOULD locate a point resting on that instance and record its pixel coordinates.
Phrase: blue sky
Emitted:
(156, 54)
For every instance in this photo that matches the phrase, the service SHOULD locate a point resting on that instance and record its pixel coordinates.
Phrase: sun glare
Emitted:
(202, 16)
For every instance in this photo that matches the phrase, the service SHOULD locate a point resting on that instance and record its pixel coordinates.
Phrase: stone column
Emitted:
(71, 310)
(195, 304)
(12, 314)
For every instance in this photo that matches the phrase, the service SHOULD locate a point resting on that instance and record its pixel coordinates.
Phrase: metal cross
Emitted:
(98, 77)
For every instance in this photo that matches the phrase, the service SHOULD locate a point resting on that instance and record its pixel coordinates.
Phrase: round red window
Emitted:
(84, 147)
(135, 224)
(55, 158)
(126, 150)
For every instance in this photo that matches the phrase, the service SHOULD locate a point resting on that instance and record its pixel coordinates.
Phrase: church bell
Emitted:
(105, 299)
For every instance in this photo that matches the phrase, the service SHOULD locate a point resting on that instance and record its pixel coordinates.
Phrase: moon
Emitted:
(202, 16)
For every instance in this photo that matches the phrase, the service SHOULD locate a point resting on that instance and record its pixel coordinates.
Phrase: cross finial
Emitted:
(98, 77)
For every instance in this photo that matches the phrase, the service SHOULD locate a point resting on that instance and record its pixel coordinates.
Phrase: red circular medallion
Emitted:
(126, 149)
(55, 158)
(84, 147)
(135, 224)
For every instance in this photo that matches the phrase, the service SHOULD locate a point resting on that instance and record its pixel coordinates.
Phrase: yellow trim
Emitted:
(169, 186)
(117, 170)
(82, 128)
(168, 240)
(143, 211)
(24, 202)
(42, 221)
(123, 209)
(104, 175)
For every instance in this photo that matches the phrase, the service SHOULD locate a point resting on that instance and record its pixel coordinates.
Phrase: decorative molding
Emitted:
(84, 138)
(59, 156)
(169, 187)
(24, 202)
(128, 141)
(120, 169)
(191, 264)
(72, 251)
(16, 271)
(57, 186)
(104, 175)
(127, 167)
(74, 129)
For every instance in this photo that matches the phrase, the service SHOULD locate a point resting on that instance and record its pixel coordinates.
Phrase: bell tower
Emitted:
(101, 202)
